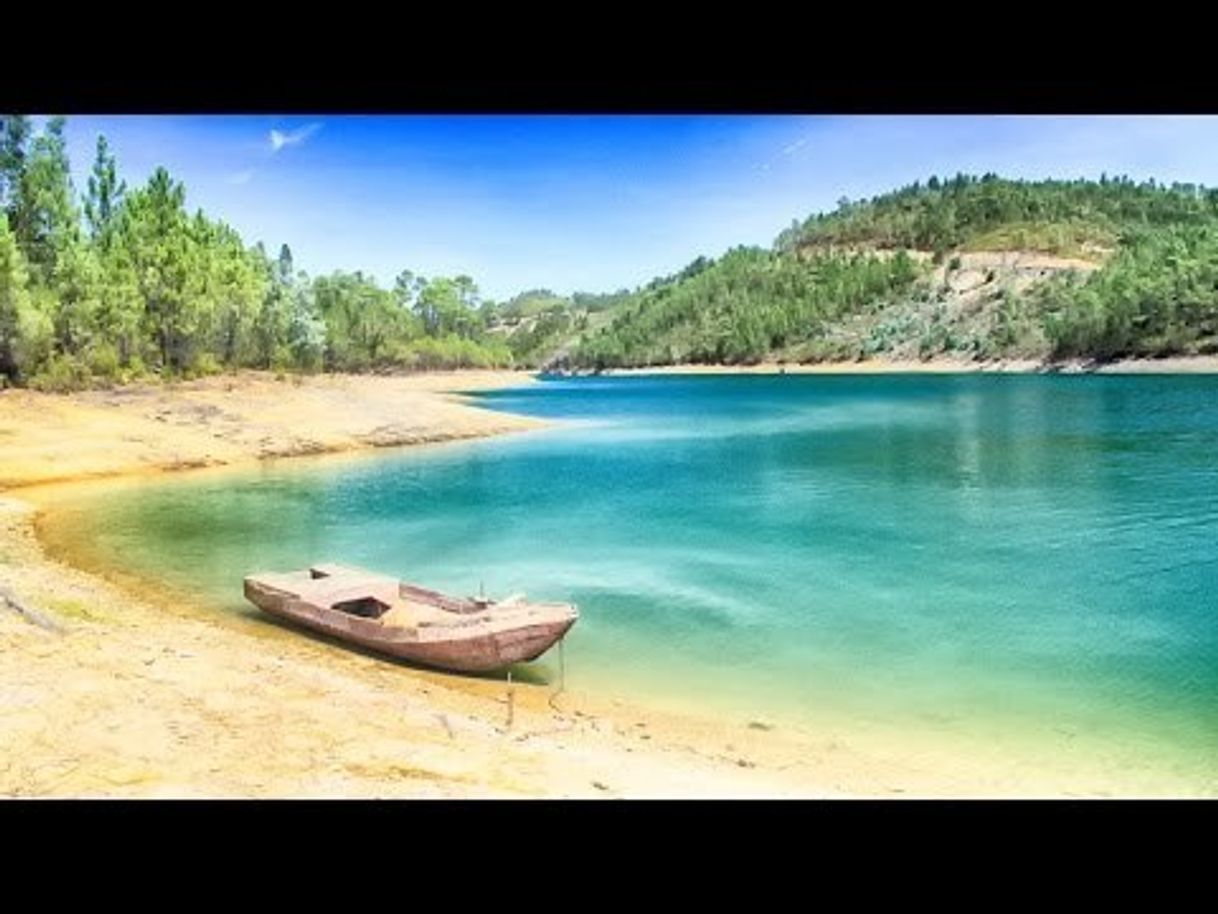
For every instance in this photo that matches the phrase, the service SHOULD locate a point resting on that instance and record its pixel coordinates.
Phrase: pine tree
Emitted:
(156, 237)
(105, 195)
(47, 220)
(76, 285)
(14, 300)
(120, 306)
(405, 289)
(271, 323)
(286, 272)
(14, 140)
(306, 329)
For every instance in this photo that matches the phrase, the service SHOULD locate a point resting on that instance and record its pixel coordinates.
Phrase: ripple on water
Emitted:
(976, 558)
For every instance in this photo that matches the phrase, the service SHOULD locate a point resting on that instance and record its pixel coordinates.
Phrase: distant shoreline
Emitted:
(1201, 364)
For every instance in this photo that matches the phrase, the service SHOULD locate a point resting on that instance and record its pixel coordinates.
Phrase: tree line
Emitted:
(118, 283)
(741, 307)
(1155, 294)
(965, 212)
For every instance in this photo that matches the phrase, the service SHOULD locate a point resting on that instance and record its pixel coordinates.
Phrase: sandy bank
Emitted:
(230, 420)
(135, 692)
(1206, 364)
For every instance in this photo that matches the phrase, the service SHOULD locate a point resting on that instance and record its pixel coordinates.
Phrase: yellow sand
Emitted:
(139, 695)
(142, 695)
(225, 420)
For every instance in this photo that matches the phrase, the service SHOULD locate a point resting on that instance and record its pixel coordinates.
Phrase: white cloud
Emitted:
(279, 139)
(241, 177)
(785, 153)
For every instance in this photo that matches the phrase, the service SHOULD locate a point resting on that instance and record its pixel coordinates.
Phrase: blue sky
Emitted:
(591, 203)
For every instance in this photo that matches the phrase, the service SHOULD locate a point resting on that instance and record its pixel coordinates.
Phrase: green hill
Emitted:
(538, 326)
(970, 267)
(114, 283)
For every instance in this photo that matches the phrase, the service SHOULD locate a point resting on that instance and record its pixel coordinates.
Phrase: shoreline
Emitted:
(1201, 364)
(277, 712)
(137, 692)
(145, 692)
(235, 420)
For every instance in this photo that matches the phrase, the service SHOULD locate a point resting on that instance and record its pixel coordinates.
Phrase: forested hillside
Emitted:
(112, 283)
(539, 325)
(942, 269)
(116, 283)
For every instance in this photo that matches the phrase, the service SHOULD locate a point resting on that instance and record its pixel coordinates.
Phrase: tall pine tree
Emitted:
(14, 142)
(157, 240)
(105, 195)
(14, 300)
(46, 219)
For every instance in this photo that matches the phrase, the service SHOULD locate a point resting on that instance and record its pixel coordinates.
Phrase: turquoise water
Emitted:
(961, 558)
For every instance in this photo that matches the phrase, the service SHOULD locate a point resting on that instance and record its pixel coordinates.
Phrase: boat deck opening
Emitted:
(365, 607)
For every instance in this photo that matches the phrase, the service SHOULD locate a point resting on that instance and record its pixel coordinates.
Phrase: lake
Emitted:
(1021, 567)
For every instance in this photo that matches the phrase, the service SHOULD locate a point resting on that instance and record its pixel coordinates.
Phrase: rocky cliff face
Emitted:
(967, 306)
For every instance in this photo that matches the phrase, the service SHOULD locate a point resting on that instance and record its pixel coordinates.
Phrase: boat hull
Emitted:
(477, 647)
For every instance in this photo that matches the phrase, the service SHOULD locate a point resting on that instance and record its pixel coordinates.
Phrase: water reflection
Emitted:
(962, 548)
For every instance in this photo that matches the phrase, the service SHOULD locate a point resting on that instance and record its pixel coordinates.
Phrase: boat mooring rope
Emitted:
(511, 701)
(562, 674)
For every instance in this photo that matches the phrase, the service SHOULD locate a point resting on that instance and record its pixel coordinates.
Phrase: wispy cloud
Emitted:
(275, 142)
(280, 139)
(786, 152)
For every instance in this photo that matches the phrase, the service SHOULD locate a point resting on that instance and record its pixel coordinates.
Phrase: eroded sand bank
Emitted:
(227, 420)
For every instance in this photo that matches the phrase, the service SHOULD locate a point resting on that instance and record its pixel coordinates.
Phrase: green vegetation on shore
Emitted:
(842, 285)
(988, 213)
(124, 283)
(538, 324)
(119, 283)
(742, 307)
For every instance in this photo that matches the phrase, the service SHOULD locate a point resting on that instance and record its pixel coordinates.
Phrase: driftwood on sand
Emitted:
(9, 600)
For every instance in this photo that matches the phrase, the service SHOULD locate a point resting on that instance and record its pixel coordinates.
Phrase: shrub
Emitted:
(62, 374)
(104, 362)
(202, 365)
(827, 350)
(283, 359)
(135, 370)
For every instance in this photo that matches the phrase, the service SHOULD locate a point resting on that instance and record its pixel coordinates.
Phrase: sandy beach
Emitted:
(221, 421)
(115, 687)
(111, 686)
(135, 694)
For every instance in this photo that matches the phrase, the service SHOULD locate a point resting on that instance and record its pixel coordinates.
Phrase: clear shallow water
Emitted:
(963, 559)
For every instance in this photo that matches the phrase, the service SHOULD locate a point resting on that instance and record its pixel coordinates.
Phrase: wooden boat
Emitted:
(471, 635)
